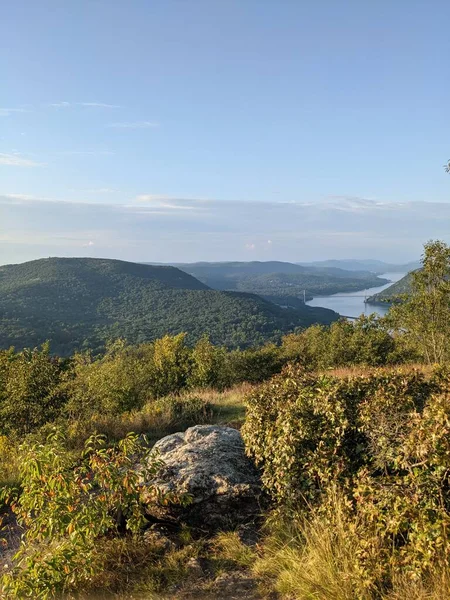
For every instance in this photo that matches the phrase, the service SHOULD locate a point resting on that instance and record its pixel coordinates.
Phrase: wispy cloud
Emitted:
(98, 105)
(134, 125)
(161, 201)
(7, 112)
(163, 228)
(104, 190)
(15, 160)
(60, 104)
(85, 153)
(85, 104)
(24, 197)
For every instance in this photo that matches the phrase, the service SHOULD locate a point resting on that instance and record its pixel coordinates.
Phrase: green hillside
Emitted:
(281, 282)
(82, 302)
(393, 292)
(374, 266)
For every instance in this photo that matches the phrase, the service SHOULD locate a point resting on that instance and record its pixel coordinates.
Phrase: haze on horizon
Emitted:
(178, 131)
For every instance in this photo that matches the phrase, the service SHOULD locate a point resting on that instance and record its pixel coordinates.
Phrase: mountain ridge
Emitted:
(80, 303)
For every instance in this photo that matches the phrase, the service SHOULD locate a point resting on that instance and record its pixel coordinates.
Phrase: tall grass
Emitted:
(312, 558)
(161, 417)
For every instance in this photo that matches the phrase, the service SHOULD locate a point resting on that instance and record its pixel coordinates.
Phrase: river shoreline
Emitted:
(354, 304)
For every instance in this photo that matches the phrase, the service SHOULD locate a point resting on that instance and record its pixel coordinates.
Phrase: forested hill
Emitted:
(279, 281)
(82, 302)
(375, 266)
(393, 292)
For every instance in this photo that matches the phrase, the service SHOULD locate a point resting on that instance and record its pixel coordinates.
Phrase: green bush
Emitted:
(307, 429)
(66, 507)
(365, 341)
(29, 389)
(383, 440)
(209, 366)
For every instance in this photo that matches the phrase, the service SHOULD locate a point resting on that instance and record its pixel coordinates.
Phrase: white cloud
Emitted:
(7, 112)
(169, 202)
(89, 244)
(134, 125)
(86, 104)
(98, 105)
(60, 104)
(104, 190)
(23, 197)
(15, 160)
(86, 153)
(163, 230)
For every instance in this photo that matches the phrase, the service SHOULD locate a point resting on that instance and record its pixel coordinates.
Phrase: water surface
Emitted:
(352, 304)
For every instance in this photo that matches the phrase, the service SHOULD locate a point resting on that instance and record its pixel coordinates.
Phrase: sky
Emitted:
(185, 130)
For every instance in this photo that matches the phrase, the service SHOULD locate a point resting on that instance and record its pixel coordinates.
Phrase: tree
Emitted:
(424, 315)
(29, 389)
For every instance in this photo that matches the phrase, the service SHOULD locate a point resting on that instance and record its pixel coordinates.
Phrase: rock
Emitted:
(208, 462)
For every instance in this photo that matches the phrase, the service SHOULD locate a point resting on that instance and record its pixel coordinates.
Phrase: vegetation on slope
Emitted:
(356, 463)
(81, 303)
(358, 468)
(374, 266)
(281, 282)
(394, 292)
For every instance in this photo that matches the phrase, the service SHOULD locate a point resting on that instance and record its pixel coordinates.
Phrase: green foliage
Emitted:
(366, 341)
(423, 316)
(255, 365)
(8, 461)
(112, 384)
(170, 365)
(29, 394)
(383, 441)
(36, 388)
(81, 303)
(393, 293)
(282, 282)
(185, 410)
(209, 366)
(126, 377)
(65, 508)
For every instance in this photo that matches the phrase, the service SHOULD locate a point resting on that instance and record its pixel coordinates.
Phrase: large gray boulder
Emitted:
(208, 462)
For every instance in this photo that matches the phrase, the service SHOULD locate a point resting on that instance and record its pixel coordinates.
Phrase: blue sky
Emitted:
(212, 130)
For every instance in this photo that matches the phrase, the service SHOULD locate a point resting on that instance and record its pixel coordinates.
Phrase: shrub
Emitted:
(65, 508)
(255, 365)
(8, 460)
(111, 384)
(29, 389)
(209, 366)
(383, 441)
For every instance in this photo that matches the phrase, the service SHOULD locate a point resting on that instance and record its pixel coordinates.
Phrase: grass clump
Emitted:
(314, 557)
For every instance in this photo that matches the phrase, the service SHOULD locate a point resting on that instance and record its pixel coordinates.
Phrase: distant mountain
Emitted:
(280, 282)
(82, 302)
(392, 293)
(375, 266)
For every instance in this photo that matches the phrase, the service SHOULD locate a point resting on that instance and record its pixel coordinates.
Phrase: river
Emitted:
(352, 304)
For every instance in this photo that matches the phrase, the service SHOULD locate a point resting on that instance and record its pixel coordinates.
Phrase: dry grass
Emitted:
(365, 371)
(229, 547)
(162, 417)
(312, 560)
(131, 567)
(435, 587)
(315, 559)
